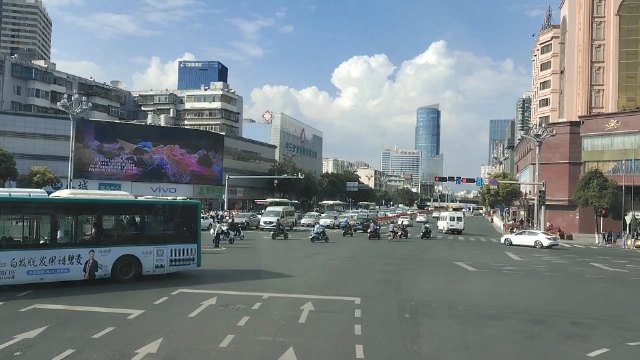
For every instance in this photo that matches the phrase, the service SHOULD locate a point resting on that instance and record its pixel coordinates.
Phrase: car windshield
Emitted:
(325, 216)
(243, 215)
(271, 213)
(310, 216)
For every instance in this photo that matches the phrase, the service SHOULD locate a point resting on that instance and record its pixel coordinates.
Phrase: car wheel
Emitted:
(508, 242)
(209, 226)
(538, 244)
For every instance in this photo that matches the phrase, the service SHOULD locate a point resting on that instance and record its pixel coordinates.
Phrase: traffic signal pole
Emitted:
(535, 183)
(543, 206)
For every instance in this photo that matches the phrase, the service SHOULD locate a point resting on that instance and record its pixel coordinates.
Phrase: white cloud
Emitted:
(108, 25)
(83, 68)
(535, 13)
(376, 101)
(159, 75)
(286, 29)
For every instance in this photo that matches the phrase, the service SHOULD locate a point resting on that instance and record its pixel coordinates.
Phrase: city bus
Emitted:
(261, 205)
(89, 234)
(364, 205)
(331, 205)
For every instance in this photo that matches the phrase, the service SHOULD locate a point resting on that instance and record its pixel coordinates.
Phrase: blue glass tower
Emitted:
(428, 141)
(193, 74)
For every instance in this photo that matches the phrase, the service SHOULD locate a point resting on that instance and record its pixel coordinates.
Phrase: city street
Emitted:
(450, 297)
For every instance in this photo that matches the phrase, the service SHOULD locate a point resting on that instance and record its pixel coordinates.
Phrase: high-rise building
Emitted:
(427, 141)
(333, 165)
(401, 162)
(545, 62)
(193, 75)
(523, 114)
(25, 29)
(497, 138)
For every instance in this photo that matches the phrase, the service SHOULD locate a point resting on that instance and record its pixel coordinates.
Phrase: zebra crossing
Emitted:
(465, 238)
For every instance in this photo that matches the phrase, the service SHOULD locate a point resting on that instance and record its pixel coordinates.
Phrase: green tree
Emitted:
(38, 177)
(333, 186)
(596, 191)
(288, 188)
(503, 194)
(405, 196)
(8, 170)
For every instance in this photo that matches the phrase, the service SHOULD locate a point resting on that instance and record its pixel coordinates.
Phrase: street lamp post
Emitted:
(538, 134)
(75, 107)
(226, 182)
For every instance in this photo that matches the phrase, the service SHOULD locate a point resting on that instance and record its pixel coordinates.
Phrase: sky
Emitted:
(357, 70)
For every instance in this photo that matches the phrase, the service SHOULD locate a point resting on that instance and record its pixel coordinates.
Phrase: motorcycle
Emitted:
(277, 233)
(319, 235)
(374, 234)
(347, 230)
(426, 232)
(403, 233)
(236, 231)
(227, 235)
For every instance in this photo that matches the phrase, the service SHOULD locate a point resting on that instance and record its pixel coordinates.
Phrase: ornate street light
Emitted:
(538, 134)
(75, 107)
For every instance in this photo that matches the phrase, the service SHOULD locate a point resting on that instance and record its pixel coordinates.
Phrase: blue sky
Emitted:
(355, 69)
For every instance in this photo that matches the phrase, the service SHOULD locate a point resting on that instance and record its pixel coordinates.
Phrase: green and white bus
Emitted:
(86, 234)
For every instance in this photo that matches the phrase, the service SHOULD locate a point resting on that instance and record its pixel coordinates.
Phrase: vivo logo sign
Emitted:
(163, 190)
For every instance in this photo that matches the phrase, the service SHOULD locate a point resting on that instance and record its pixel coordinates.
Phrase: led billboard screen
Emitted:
(106, 150)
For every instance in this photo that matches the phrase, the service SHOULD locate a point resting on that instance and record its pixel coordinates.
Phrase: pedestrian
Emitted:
(625, 237)
(604, 239)
(610, 237)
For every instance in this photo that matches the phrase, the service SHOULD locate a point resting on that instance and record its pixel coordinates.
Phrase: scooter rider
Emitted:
(373, 227)
(393, 230)
(346, 225)
(319, 229)
(279, 227)
(426, 229)
(217, 232)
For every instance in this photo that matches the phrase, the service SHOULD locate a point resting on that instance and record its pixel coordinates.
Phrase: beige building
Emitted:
(25, 29)
(545, 73)
(599, 57)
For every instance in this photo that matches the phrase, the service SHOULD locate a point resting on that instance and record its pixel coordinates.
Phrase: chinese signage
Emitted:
(612, 125)
(208, 192)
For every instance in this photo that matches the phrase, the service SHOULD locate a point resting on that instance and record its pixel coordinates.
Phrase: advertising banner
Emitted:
(161, 189)
(85, 184)
(108, 150)
(208, 192)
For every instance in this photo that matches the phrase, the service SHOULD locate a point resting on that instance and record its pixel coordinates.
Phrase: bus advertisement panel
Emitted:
(92, 234)
(109, 150)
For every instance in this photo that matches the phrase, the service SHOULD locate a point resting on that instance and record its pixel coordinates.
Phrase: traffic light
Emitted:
(440, 179)
(468, 180)
(603, 212)
(451, 178)
(542, 197)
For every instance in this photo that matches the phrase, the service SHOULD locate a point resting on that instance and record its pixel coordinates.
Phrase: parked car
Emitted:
(206, 223)
(536, 238)
(329, 220)
(310, 219)
(405, 220)
(247, 220)
(422, 218)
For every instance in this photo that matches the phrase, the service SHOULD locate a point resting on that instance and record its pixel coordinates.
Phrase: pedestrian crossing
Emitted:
(465, 238)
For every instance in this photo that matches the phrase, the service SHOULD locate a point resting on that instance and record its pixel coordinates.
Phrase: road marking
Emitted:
(565, 245)
(133, 313)
(465, 266)
(597, 352)
(357, 301)
(267, 295)
(462, 238)
(512, 255)
(578, 246)
(634, 343)
(619, 261)
(306, 308)
(24, 293)
(359, 352)
(25, 335)
(593, 247)
(357, 329)
(1, 303)
(243, 321)
(607, 268)
(160, 301)
(595, 276)
(256, 306)
(357, 313)
(511, 272)
(103, 332)
(150, 348)
(226, 341)
(483, 239)
(64, 354)
(288, 355)
(204, 305)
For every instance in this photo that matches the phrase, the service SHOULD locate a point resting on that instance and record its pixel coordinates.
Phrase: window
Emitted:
(598, 30)
(546, 48)
(544, 102)
(628, 55)
(598, 7)
(597, 77)
(544, 119)
(596, 97)
(598, 52)
(17, 90)
(545, 85)
(545, 65)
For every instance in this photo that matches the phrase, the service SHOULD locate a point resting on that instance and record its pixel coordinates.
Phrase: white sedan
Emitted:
(405, 220)
(329, 220)
(206, 223)
(539, 239)
(421, 218)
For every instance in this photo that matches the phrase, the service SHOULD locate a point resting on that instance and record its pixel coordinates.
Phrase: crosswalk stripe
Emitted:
(593, 247)
(483, 239)
(566, 245)
(579, 246)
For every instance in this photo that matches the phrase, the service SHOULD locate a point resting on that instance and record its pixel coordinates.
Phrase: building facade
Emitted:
(427, 141)
(333, 165)
(297, 141)
(371, 177)
(404, 163)
(497, 139)
(25, 29)
(192, 75)
(215, 108)
(523, 114)
(37, 87)
(545, 71)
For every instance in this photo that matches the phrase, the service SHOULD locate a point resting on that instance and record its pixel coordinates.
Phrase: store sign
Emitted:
(300, 150)
(612, 125)
(208, 192)
(161, 189)
(85, 184)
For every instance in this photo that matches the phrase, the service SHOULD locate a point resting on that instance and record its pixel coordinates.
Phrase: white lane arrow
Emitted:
(26, 335)
(151, 348)
(305, 312)
(288, 355)
(203, 305)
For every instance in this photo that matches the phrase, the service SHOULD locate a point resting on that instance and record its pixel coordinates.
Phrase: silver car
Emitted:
(247, 220)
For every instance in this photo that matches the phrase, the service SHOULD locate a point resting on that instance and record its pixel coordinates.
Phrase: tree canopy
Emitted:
(503, 194)
(596, 191)
(8, 170)
(38, 177)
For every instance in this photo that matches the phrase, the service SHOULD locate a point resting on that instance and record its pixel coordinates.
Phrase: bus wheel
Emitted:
(126, 268)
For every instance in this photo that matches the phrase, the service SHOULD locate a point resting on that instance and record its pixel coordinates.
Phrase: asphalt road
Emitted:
(452, 297)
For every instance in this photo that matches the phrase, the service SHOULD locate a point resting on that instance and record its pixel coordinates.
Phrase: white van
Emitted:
(451, 221)
(286, 214)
